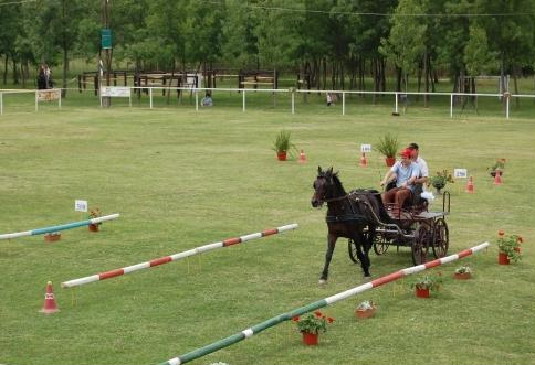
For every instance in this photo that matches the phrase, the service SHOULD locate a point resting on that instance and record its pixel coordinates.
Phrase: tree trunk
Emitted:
(15, 71)
(6, 65)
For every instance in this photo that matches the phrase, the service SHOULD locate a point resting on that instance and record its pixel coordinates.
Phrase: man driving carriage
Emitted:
(405, 173)
(419, 183)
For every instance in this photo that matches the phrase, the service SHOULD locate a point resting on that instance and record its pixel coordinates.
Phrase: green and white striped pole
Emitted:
(237, 337)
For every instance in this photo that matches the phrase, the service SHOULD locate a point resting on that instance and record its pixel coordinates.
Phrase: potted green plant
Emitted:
(440, 179)
(311, 324)
(283, 144)
(462, 273)
(388, 146)
(424, 285)
(94, 213)
(509, 246)
(366, 309)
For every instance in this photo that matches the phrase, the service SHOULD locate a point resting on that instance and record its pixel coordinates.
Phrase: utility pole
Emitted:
(107, 48)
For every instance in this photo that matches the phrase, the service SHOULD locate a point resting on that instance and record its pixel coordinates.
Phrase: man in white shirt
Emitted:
(424, 169)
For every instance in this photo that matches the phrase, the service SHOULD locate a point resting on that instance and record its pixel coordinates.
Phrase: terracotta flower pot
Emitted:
(422, 293)
(310, 339)
(390, 161)
(281, 156)
(51, 237)
(503, 259)
(462, 275)
(365, 313)
(92, 227)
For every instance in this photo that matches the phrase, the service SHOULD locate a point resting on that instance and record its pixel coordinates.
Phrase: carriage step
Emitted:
(393, 232)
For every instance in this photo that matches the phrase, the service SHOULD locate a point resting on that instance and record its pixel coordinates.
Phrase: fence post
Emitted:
(36, 100)
(507, 96)
(343, 103)
(243, 100)
(150, 98)
(293, 102)
(397, 99)
(1, 105)
(451, 106)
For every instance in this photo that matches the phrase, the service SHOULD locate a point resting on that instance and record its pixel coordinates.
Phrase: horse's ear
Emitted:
(330, 170)
(319, 170)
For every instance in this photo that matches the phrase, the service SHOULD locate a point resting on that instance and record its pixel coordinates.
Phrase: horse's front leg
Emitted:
(331, 242)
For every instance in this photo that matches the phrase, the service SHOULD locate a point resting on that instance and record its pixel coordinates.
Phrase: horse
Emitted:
(355, 216)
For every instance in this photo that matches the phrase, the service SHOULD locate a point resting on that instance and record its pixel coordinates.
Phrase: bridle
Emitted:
(322, 199)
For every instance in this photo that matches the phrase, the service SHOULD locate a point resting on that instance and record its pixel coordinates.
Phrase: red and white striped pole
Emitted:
(178, 256)
(404, 272)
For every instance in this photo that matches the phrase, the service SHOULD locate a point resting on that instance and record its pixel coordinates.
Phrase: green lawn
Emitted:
(182, 179)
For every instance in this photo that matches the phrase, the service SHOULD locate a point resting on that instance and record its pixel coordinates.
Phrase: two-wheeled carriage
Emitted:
(426, 233)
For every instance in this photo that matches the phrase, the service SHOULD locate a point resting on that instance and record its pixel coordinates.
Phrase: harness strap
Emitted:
(344, 218)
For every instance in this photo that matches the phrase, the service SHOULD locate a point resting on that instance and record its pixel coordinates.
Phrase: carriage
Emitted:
(425, 232)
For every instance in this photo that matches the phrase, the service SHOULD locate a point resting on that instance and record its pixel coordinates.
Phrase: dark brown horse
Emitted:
(355, 216)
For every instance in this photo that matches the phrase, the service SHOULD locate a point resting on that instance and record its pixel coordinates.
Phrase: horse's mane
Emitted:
(338, 184)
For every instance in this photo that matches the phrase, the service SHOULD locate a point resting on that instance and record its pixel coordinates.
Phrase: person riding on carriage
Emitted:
(405, 173)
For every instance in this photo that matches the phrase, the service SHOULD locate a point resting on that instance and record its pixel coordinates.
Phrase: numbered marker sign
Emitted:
(365, 147)
(80, 206)
(460, 173)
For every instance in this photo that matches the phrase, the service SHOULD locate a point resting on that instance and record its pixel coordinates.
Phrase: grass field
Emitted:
(181, 179)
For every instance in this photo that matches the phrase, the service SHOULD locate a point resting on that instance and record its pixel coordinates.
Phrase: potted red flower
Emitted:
(94, 213)
(509, 246)
(311, 324)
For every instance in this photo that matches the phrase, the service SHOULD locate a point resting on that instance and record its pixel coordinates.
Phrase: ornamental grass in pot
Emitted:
(388, 146)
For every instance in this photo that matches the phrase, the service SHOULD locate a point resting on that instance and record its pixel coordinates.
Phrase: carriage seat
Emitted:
(415, 204)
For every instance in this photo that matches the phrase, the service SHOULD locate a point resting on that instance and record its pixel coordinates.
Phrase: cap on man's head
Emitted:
(413, 146)
(406, 153)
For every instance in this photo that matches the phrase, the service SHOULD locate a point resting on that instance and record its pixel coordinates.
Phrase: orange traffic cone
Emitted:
(302, 157)
(49, 306)
(363, 160)
(470, 186)
(498, 177)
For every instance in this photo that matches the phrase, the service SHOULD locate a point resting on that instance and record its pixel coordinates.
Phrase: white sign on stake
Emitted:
(80, 206)
(365, 147)
(460, 174)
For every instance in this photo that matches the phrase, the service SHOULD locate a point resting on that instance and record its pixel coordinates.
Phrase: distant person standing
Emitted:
(41, 78)
(48, 78)
(207, 100)
(329, 99)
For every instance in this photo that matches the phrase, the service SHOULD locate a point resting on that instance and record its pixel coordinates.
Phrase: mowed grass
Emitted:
(181, 179)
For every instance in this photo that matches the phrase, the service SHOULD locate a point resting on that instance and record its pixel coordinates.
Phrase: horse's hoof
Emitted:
(322, 281)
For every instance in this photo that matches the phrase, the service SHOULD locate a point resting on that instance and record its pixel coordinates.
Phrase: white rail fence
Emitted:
(400, 98)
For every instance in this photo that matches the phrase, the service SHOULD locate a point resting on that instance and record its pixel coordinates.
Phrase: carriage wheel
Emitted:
(441, 241)
(352, 250)
(380, 244)
(420, 245)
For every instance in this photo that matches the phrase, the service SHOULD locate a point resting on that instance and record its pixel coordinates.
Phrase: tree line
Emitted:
(333, 44)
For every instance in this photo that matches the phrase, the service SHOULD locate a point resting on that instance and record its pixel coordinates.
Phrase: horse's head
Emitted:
(323, 186)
